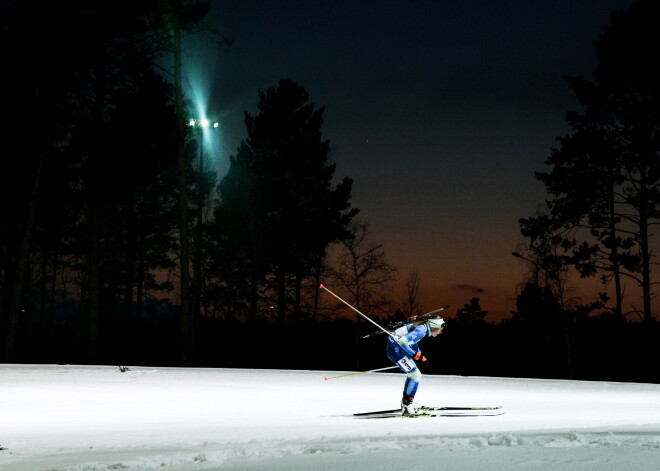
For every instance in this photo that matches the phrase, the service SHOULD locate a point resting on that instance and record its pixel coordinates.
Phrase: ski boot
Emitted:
(407, 407)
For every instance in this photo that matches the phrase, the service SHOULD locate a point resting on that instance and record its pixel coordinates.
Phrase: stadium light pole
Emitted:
(201, 126)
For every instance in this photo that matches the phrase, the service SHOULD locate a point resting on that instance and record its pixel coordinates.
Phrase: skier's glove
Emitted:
(418, 357)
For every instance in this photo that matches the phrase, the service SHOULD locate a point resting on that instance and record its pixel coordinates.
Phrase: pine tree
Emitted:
(278, 202)
(606, 174)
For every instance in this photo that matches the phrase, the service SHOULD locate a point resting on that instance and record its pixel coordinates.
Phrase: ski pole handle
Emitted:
(374, 323)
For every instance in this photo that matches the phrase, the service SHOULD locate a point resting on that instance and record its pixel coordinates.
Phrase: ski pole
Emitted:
(361, 372)
(374, 323)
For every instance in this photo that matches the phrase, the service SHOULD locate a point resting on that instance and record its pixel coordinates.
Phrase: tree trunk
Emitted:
(96, 160)
(645, 255)
(199, 232)
(297, 297)
(131, 260)
(254, 296)
(281, 296)
(614, 256)
(186, 318)
(139, 289)
(16, 289)
(317, 291)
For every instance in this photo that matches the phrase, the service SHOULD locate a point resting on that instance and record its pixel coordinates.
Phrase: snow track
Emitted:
(75, 418)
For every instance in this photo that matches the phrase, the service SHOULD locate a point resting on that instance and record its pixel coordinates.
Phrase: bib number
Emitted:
(407, 364)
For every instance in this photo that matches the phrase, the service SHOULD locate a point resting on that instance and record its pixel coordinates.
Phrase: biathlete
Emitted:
(405, 351)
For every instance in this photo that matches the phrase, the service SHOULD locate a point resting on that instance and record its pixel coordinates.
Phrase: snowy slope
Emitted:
(97, 418)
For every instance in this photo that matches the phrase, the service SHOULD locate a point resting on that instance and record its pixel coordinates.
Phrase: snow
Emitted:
(87, 418)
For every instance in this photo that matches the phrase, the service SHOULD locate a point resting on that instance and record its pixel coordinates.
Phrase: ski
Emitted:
(399, 415)
(431, 409)
(426, 408)
(396, 324)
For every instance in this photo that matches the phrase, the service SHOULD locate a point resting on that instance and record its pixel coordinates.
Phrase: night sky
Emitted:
(439, 111)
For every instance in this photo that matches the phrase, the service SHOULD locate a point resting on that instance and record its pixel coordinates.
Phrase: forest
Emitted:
(119, 246)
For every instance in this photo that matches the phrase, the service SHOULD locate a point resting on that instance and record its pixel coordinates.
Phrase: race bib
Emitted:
(406, 364)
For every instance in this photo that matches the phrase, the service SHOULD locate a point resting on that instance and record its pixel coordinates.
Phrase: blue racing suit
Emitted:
(401, 352)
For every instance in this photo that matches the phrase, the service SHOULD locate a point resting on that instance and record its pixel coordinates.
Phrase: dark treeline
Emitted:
(532, 344)
(118, 247)
(112, 230)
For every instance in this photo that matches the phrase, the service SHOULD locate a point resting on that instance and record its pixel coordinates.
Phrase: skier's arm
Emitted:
(409, 341)
(406, 345)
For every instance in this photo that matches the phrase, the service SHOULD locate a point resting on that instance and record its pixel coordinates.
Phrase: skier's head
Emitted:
(436, 325)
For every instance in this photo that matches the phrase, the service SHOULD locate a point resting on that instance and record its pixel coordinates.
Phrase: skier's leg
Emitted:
(414, 376)
(412, 383)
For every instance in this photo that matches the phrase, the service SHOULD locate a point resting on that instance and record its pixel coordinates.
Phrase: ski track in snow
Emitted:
(82, 418)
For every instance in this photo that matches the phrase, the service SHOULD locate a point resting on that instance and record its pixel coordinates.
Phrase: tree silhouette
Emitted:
(606, 174)
(278, 207)
(411, 301)
(471, 313)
